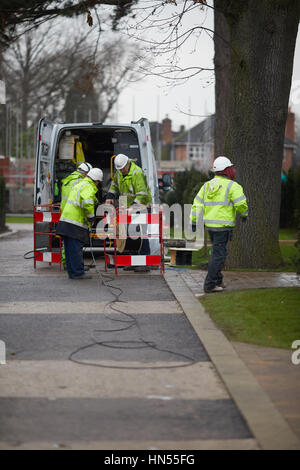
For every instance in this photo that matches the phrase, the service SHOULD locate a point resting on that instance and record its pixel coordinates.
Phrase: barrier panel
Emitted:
(45, 216)
(128, 228)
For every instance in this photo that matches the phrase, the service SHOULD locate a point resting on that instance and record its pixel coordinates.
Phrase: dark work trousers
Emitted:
(145, 248)
(216, 263)
(74, 257)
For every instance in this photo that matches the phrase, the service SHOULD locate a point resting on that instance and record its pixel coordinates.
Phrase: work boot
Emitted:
(222, 285)
(83, 276)
(214, 289)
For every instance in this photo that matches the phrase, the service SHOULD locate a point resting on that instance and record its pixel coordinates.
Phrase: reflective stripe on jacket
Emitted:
(67, 184)
(80, 206)
(220, 198)
(133, 185)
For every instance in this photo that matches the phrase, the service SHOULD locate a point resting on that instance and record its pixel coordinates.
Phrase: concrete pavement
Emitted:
(168, 381)
(274, 427)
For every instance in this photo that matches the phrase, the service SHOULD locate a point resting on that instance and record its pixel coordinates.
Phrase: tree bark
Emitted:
(222, 68)
(262, 43)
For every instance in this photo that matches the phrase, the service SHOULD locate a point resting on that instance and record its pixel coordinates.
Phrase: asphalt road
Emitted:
(84, 371)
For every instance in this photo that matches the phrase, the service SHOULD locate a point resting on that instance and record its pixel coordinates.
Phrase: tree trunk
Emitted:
(262, 40)
(222, 67)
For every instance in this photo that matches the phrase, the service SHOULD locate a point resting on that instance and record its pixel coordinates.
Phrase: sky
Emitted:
(155, 99)
(185, 102)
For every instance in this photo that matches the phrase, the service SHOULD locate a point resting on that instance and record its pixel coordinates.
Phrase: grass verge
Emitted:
(287, 253)
(18, 220)
(266, 317)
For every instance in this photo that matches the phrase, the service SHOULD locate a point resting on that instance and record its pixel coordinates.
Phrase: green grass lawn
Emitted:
(266, 317)
(287, 234)
(18, 220)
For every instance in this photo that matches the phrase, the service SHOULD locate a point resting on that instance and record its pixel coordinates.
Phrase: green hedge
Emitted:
(290, 200)
(186, 185)
(2, 203)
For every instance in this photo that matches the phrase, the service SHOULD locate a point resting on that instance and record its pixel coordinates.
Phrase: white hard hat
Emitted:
(95, 174)
(121, 161)
(85, 167)
(221, 163)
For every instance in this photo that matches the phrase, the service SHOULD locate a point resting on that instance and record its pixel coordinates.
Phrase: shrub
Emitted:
(2, 203)
(186, 185)
(290, 199)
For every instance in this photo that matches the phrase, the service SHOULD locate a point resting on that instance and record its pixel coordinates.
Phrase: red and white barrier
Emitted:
(46, 213)
(133, 260)
(40, 216)
(47, 256)
(153, 223)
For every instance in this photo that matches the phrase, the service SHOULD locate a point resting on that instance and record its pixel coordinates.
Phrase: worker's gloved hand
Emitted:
(194, 227)
(244, 219)
(92, 221)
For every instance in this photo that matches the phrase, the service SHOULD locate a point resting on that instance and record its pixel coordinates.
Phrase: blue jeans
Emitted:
(74, 257)
(217, 260)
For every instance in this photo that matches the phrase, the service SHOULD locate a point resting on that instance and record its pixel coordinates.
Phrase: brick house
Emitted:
(195, 146)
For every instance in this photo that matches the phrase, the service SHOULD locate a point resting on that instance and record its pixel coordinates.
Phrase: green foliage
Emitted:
(2, 203)
(290, 199)
(296, 257)
(186, 185)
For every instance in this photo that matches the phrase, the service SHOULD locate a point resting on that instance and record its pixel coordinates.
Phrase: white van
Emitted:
(56, 154)
(56, 149)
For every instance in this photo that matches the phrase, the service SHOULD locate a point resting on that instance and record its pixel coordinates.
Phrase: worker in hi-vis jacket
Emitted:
(219, 199)
(67, 184)
(130, 181)
(76, 220)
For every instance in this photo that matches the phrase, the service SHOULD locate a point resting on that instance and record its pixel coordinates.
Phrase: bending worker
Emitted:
(220, 199)
(130, 181)
(76, 219)
(67, 184)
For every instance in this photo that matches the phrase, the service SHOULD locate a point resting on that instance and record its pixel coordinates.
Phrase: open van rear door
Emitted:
(44, 163)
(148, 160)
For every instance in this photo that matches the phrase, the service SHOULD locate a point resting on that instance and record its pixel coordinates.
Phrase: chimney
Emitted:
(290, 126)
(166, 131)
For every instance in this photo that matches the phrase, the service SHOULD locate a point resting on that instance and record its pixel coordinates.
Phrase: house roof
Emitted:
(156, 128)
(202, 132)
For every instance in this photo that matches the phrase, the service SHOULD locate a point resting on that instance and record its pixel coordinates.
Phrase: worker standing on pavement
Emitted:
(76, 220)
(130, 181)
(220, 199)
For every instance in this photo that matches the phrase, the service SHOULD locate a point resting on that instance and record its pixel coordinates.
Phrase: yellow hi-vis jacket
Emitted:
(67, 184)
(80, 206)
(220, 199)
(133, 185)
